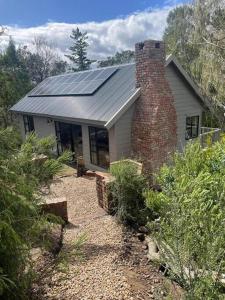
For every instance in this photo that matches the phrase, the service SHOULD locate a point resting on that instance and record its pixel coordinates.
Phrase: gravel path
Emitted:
(97, 271)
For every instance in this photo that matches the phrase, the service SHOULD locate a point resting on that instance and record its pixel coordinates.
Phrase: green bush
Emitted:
(191, 231)
(20, 220)
(127, 190)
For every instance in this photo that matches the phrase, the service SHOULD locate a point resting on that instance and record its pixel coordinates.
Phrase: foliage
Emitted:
(43, 61)
(21, 69)
(127, 190)
(14, 82)
(195, 34)
(191, 233)
(74, 251)
(123, 57)
(20, 218)
(78, 50)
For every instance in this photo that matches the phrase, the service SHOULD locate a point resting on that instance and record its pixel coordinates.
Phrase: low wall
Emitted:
(105, 199)
(103, 181)
(57, 207)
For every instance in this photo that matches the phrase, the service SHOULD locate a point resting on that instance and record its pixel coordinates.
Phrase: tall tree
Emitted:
(196, 35)
(43, 61)
(119, 58)
(14, 82)
(78, 50)
(177, 35)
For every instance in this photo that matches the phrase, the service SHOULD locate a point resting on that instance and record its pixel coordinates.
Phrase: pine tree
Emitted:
(79, 51)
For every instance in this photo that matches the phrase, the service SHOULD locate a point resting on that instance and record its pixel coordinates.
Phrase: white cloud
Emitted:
(105, 38)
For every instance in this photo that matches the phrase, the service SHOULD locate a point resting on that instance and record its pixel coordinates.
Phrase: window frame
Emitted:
(28, 122)
(191, 126)
(96, 151)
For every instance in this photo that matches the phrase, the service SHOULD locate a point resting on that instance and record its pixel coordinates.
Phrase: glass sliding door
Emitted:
(99, 147)
(69, 137)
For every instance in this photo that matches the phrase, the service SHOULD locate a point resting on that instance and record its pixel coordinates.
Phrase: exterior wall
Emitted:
(21, 125)
(41, 126)
(123, 134)
(186, 103)
(112, 144)
(44, 127)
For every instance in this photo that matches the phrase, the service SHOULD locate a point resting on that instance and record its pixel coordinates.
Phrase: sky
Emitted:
(112, 25)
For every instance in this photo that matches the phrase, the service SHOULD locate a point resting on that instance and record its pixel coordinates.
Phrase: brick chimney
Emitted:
(154, 132)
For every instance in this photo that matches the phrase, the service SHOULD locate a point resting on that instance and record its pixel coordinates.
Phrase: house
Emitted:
(145, 109)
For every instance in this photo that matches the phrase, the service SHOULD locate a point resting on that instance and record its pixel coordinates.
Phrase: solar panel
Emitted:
(80, 83)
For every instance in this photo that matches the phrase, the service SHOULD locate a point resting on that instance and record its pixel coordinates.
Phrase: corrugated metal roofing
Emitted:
(100, 107)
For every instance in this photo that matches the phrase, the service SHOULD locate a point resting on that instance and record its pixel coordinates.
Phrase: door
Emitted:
(69, 137)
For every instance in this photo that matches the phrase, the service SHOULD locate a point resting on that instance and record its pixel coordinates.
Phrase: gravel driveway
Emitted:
(98, 272)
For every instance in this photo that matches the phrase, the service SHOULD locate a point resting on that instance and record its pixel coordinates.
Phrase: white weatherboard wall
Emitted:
(187, 103)
(44, 127)
(112, 144)
(122, 135)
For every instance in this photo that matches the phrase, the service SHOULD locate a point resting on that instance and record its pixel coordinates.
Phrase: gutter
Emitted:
(123, 109)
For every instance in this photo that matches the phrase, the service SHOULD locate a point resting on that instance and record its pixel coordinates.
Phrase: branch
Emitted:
(213, 44)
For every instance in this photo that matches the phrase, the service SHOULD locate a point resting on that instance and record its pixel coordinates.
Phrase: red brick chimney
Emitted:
(154, 132)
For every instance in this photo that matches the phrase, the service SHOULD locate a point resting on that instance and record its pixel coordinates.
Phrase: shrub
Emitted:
(127, 190)
(191, 235)
(20, 218)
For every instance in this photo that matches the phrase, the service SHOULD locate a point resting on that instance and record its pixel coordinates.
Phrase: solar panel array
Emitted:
(80, 83)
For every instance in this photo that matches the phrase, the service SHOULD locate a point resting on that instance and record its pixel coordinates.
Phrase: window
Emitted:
(69, 137)
(28, 123)
(99, 147)
(192, 124)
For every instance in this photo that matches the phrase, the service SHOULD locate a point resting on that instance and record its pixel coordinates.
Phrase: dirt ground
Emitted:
(101, 260)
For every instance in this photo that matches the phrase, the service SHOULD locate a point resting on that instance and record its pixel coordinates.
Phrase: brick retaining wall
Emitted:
(105, 199)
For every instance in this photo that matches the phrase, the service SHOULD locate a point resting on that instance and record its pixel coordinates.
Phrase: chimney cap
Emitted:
(150, 49)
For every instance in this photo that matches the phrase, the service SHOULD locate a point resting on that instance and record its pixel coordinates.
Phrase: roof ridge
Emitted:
(91, 70)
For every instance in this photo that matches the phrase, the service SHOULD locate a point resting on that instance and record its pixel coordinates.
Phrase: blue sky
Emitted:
(111, 25)
(36, 12)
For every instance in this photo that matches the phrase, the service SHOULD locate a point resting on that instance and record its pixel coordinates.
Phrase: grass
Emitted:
(67, 171)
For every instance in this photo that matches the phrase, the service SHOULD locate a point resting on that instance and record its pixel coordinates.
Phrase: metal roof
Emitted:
(104, 106)
(100, 107)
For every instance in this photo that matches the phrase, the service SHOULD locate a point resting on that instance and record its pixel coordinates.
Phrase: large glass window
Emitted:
(28, 123)
(99, 147)
(69, 137)
(192, 127)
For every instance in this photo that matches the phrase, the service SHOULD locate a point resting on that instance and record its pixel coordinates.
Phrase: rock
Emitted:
(55, 238)
(143, 229)
(153, 253)
(141, 236)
